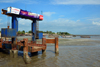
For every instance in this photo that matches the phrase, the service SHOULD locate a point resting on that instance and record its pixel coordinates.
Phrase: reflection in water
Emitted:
(43, 56)
(56, 55)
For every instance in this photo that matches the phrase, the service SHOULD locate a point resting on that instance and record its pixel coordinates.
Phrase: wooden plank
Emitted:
(50, 40)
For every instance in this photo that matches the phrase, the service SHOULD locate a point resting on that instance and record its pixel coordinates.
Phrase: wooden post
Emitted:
(13, 51)
(25, 49)
(1, 43)
(44, 43)
(15, 44)
(56, 45)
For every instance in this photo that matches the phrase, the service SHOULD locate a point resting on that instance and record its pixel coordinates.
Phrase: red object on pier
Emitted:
(41, 17)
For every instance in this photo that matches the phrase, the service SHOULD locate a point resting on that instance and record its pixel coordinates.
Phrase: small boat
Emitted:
(85, 36)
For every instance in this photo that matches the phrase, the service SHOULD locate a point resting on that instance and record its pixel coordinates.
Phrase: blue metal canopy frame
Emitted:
(19, 13)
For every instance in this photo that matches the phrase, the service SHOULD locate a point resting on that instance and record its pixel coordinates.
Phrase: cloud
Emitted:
(20, 1)
(24, 24)
(61, 16)
(8, 1)
(66, 2)
(68, 25)
(78, 20)
(61, 24)
(66, 22)
(48, 13)
(61, 2)
(96, 23)
(94, 19)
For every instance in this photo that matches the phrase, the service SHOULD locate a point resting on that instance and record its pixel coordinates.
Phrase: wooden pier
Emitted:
(28, 47)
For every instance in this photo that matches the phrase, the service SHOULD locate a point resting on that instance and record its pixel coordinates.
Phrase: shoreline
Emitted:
(68, 41)
(75, 42)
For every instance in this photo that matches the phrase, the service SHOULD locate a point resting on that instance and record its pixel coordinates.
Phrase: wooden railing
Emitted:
(54, 41)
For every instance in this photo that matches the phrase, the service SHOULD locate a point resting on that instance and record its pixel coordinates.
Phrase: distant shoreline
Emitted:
(68, 41)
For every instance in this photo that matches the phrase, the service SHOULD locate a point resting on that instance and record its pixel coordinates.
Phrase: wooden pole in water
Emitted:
(13, 51)
(1, 43)
(44, 43)
(25, 49)
(25, 45)
(56, 45)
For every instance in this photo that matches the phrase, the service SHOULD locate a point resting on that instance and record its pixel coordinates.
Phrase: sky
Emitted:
(72, 16)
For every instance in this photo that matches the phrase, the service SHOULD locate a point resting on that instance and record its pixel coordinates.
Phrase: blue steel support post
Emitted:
(34, 30)
(14, 25)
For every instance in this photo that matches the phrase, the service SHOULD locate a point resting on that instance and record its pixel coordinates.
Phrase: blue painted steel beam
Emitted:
(14, 25)
(34, 30)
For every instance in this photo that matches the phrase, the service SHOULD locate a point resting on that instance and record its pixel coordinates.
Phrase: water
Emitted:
(94, 37)
(69, 56)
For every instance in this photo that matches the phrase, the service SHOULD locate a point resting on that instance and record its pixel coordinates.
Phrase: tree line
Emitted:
(46, 32)
(63, 33)
(21, 32)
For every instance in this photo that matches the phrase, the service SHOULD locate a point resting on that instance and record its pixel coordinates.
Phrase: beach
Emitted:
(73, 52)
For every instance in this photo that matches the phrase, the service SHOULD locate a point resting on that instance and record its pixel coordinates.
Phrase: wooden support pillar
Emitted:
(25, 49)
(13, 51)
(44, 43)
(56, 45)
(14, 44)
(1, 43)
(14, 25)
(34, 30)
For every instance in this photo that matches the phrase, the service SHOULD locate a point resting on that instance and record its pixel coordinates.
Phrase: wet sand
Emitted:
(72, 53)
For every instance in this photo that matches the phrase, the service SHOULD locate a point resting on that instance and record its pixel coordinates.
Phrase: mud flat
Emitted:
(80, 42)
(72, 53)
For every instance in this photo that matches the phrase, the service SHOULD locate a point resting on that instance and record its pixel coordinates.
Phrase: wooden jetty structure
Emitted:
(28, 47)
(14, 45)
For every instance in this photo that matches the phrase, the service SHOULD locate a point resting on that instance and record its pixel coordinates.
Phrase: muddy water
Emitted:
(69, 56)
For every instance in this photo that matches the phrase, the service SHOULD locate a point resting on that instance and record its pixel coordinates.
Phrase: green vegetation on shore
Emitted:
(58, 33)
(63, 33)
(21, 32)
(45, 32)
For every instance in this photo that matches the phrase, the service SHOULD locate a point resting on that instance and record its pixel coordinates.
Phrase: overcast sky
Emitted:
(73, 16)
